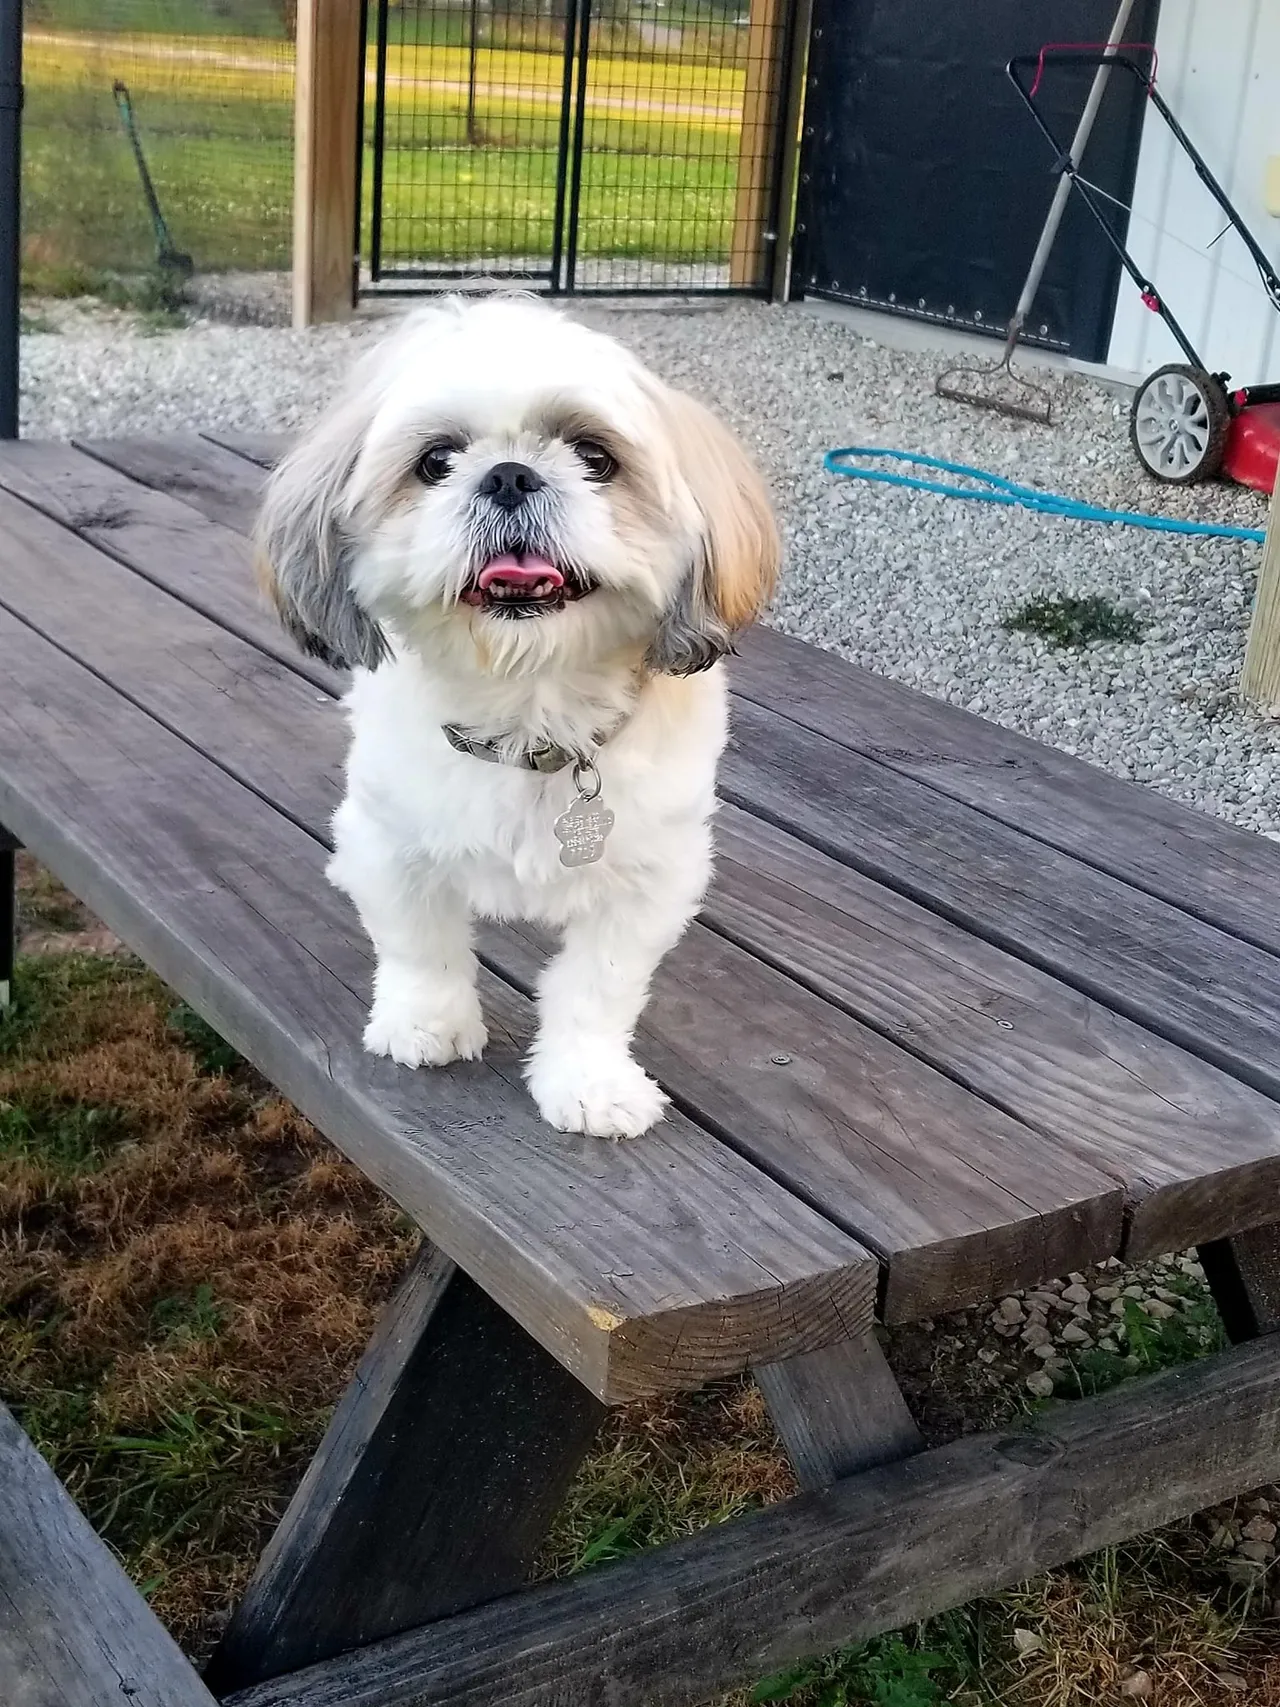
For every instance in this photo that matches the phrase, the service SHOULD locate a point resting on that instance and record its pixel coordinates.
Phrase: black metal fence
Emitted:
(583, 145)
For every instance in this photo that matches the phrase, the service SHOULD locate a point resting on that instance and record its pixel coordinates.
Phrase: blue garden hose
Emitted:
(994, 489)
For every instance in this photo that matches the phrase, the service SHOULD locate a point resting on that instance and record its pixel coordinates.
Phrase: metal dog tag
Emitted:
(584, 828)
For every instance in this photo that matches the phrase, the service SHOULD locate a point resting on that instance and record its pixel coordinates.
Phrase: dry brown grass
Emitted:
(188, 1273)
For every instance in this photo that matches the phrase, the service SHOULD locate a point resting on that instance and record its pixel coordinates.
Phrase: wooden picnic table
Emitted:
(961, 1014)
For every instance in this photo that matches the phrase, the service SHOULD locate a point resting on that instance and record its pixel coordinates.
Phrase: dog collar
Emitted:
(544, 756)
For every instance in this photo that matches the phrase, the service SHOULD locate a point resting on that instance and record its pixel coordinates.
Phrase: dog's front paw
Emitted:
(607, 1096)
(418, 1034)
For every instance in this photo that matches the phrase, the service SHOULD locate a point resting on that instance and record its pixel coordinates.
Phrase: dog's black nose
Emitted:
(508, 484)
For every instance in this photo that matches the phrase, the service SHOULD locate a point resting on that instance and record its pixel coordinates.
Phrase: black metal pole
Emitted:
(379, 140)
(471, 74)
(10, 158)
(8, 916)
(562, 156)
(579, 144)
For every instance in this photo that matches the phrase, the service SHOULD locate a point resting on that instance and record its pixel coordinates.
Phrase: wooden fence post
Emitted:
(1261, 678)
(790, 117)
(762, 99)
(326, 153)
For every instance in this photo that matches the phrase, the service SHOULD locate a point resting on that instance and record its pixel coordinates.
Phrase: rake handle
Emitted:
(1062, 194)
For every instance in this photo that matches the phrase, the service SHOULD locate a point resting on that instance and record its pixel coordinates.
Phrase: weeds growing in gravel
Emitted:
(1075, 622)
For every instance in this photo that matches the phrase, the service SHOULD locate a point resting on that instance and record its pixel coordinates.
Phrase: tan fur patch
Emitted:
(742, 544)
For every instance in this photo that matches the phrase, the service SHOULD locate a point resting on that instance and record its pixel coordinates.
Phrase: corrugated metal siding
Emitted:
(1219, 70)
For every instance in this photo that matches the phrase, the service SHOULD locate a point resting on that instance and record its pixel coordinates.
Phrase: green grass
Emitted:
(1075, 622)
(162, 1476)
(69, 1137)
(887, 1672)
(161, 17)
(212, 1052)
(194, 1315)
(218, 140)
(45, 990)
(1151, 1344)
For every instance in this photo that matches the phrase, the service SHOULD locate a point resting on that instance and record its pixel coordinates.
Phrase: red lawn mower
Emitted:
(1187, 424)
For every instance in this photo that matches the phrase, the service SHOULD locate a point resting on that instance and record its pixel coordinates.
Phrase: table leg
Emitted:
(8, 915)
(433, 1490)
(1244, 1275)
(838, 1411)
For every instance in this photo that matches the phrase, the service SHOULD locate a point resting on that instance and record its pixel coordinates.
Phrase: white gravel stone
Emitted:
(1159, 1310)
(907, 583)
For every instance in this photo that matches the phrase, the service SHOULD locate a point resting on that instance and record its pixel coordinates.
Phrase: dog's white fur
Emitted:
(368, 566)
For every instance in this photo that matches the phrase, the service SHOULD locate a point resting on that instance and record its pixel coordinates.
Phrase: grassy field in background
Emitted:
(658, 183)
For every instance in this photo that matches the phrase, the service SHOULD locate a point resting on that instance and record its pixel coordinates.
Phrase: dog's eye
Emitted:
(434, 463)
(597, 460)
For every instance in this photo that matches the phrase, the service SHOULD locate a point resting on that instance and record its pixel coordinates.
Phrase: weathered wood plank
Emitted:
(872, 1553)
(1097, 1085)
(166, 541)
(244, 709)
(597, 1250)
(1071, 1068)
(959, 1198)
(1244, 1273)
(1210, 869)
(328, 80)
(1198, 1152)
(432, 1490)
(839, 1411)
(74, 1631)
(1260, 678)
(956, 1198)
(751, 243)
(191, 469)
(265, 449)
(1211, 993)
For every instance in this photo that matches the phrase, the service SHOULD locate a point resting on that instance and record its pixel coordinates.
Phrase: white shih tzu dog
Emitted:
(533, 554)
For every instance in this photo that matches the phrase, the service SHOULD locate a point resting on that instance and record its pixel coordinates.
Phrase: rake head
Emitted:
(994, 385)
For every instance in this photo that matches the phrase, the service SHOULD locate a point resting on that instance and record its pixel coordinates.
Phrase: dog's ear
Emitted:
(736, 566)
(304, 550)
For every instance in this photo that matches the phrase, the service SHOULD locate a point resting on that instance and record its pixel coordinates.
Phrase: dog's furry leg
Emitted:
(426, 1011)
(590, 998)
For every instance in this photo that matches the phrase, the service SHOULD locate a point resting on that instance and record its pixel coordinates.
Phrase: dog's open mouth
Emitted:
(522, 583)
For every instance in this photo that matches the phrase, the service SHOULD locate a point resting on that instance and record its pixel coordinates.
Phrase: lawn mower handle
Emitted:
(1064, 163)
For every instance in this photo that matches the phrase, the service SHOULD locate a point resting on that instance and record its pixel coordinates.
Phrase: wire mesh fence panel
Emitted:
(468, 139)
(588, 144)
(151, 124)
(677, 170)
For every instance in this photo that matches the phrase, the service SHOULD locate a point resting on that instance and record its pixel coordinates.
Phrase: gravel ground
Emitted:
(906, 583)
(1074, 1337)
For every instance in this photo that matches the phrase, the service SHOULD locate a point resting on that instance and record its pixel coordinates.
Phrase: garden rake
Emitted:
(994, 385)
(168, 259)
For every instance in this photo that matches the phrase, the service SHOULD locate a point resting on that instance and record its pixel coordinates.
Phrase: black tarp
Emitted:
(925, 182)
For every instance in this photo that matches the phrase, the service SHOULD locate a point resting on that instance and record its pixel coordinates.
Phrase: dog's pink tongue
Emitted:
(526, 570)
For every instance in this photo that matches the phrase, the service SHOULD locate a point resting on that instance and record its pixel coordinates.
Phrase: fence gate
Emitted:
(580, 145)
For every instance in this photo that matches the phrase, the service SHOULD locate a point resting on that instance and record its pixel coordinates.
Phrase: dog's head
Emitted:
(513, 487)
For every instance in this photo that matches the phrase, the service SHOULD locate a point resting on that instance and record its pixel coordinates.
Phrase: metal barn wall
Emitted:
(1219, 70)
